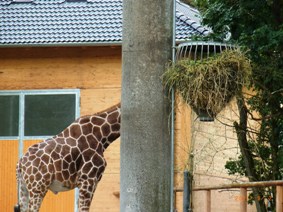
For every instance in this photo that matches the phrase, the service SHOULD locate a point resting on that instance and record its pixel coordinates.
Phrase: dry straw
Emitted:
(209, 84)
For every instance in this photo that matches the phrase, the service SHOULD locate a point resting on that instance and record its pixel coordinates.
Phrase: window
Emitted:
(9, 114)
(48, 114)
(37, 113)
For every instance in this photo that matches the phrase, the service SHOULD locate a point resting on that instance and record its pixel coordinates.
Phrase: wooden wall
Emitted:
(8, 160)
(182, 146)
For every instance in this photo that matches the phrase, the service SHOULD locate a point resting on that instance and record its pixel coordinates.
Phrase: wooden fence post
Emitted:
(207, 200)
(243, 193)
(243, 199)
(279, 198)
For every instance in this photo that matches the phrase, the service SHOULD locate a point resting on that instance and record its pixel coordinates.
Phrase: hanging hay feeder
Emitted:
(207, 84)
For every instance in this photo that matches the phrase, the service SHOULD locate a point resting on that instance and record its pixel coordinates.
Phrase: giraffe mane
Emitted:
(109, 109)
(97, 113)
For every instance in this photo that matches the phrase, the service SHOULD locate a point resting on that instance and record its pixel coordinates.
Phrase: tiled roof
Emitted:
(60, 22)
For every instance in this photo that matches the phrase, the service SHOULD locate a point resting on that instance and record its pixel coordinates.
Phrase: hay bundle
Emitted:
(209, 84)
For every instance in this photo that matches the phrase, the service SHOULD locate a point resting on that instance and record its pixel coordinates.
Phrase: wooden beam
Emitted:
(207, 201)
(243, 199)
(279, 198)
(241, 185)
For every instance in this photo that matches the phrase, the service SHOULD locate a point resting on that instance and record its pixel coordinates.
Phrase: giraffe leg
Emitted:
(24, 197)
(35, 200)
(86, 191)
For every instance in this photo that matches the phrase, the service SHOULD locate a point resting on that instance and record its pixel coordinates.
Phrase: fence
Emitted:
(243, 193)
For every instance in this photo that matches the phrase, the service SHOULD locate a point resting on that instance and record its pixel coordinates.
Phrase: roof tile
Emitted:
(58, 22)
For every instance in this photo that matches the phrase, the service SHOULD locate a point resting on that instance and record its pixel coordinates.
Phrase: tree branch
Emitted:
(241, 130)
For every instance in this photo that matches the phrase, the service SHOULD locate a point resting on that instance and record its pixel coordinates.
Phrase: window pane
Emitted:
(48, 114)
(9, 115)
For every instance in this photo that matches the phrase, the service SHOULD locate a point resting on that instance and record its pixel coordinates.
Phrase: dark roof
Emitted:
(89, 22)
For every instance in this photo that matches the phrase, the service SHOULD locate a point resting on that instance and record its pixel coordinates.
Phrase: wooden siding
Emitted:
(8, 183)
(182, 146)
(60, 73)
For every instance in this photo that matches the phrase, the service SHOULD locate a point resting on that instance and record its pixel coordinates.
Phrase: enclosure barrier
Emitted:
(243, 193)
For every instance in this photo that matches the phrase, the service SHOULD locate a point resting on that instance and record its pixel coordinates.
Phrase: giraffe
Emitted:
(73, 158)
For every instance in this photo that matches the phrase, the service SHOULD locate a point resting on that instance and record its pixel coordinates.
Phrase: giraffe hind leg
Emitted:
(35, 202)
(24, 198)
(86, 191)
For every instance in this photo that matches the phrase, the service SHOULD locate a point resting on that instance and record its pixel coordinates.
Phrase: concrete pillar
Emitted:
(145, 137)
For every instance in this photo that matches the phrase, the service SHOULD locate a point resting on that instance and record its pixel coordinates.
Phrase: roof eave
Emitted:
(112, 43)
(116, 43)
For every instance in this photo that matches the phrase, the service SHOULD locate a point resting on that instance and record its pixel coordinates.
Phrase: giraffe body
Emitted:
(73, 158)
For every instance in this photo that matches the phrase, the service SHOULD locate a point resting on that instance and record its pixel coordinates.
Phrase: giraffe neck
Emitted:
(112, 123)
(104, 126)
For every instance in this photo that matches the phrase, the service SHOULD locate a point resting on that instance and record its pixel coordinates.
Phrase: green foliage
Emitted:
(258, 26)
(235, 166)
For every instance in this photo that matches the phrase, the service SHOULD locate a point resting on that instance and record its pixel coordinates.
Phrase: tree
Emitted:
(256, 25)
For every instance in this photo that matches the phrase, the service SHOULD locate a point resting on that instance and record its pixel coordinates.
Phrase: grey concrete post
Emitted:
(145, 137)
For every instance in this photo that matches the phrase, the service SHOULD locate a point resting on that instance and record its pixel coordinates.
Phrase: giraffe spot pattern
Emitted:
(82, 144)
(105, 129)
(112, 118)
(115, 127)
(75, 131)
(98, 121)
(97, 132)
(66, 133)
(71, 142)
(87, 129)
(84, 120)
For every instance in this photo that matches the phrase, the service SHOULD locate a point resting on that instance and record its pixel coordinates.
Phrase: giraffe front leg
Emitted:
(86, 191)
